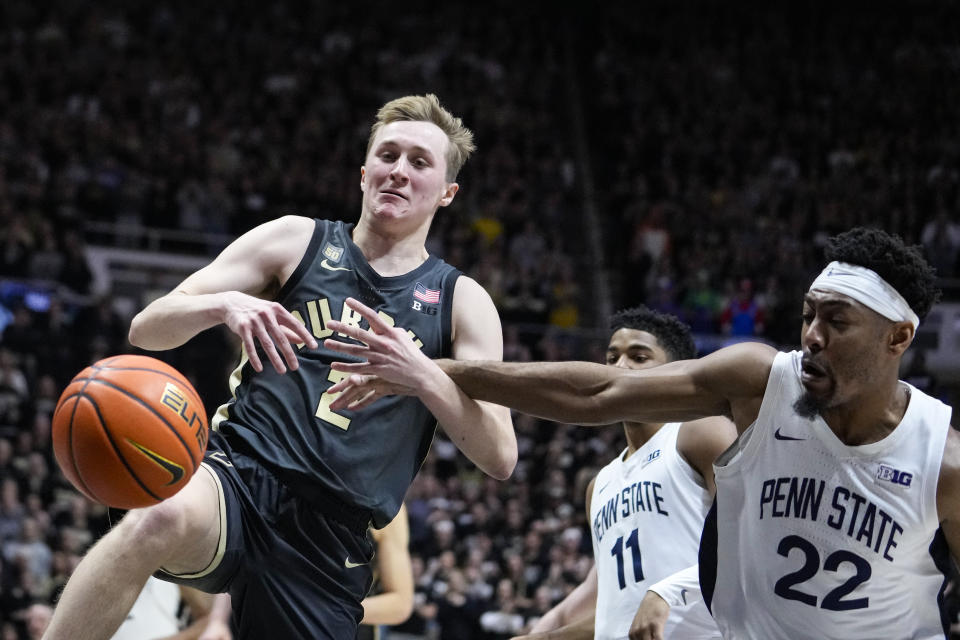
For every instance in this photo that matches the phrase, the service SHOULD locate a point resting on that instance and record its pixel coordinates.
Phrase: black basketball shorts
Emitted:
(294, 569)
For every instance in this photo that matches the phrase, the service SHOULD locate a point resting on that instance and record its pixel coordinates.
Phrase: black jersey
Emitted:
(364, 458)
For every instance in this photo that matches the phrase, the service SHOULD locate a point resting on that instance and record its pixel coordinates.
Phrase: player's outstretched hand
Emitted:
(358, 391)
(268, 323)
(392, 362)
(650, 619)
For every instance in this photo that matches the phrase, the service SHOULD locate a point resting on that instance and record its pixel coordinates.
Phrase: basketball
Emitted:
(129, 431)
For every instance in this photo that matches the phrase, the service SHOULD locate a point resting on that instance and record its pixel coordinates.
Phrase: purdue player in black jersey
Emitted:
(278, 514)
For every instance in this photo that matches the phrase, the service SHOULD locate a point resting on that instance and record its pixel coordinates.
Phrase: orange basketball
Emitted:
(129, 431)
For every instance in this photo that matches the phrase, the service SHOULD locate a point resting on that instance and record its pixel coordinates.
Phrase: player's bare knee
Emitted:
(160, 531)
(155, 531)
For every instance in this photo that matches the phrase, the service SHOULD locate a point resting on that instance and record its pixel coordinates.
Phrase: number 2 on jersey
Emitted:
(617, 552)
(833, 601)
(323, 409)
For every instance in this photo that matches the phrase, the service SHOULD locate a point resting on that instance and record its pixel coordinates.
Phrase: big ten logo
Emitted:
(418, 306)
(895, 476)
(175, 400)
(650, 458)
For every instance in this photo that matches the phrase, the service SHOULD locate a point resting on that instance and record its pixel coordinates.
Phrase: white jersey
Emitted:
(154, 614)
(812, 538)
(646, 515)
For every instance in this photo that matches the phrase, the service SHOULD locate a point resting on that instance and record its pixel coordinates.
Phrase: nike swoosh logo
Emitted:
(683, 594)
(352, 565)
(780, 436)
(175, 470)
(327, 265)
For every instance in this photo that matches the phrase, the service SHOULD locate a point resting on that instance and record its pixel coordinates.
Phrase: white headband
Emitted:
(867, 288)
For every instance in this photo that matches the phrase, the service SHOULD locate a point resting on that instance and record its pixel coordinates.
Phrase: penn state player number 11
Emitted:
(617, 552)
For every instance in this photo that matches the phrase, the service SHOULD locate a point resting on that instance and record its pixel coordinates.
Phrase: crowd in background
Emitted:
(724, 145)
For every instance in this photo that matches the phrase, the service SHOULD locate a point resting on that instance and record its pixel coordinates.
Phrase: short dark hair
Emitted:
(672, 334)
(901, 265)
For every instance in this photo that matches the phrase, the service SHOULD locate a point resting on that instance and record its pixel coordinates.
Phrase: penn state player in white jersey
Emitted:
(646, 507)
(844, 531)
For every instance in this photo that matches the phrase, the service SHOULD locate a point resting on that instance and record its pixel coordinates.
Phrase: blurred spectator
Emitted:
(30, 552)
(941, 238)
(702, 304)
(38, 618)
(74, 271)
(919, 375)
(743, 315)
(12, 510)
(505, 619)
(457, 612)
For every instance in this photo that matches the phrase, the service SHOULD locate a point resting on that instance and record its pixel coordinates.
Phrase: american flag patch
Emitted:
(431, 296)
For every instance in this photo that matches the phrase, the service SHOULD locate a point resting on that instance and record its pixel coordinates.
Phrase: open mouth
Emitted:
(812, 373)
(395, 194)
(810, 368)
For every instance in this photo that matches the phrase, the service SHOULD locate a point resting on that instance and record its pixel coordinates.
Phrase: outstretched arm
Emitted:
(729, 382)
(231, 290)
(482, 431)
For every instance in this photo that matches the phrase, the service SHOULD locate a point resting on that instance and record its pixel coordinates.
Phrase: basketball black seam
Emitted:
(152, 410)
(118, 452)
(106, 361)
(97, 366)
(73, 457)
(182, 381)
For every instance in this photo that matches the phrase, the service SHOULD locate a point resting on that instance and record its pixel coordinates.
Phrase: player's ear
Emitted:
(449, 193)
(363, 178)
(900, 337)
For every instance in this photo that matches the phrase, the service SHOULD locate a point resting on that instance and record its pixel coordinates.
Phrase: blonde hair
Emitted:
(427, 109)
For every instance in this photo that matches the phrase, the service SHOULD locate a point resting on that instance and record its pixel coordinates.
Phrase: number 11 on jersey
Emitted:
(633, 543)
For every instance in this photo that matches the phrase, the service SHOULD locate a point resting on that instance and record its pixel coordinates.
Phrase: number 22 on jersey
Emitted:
(834, 600)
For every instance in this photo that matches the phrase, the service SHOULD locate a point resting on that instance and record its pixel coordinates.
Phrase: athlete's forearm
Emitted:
(483, 433)
(558, 391)
(387, 608)
(582, 629)
(171, 320)
(552, 619)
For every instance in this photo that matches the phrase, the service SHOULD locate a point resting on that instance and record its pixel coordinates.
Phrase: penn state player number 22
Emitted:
(834, 600)
(633, 543)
